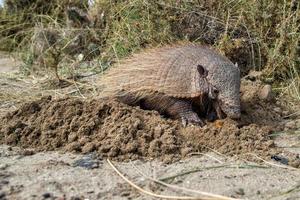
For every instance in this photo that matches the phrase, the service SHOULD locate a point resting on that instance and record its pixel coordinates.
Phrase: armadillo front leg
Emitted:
(173, 107)
(183, 109)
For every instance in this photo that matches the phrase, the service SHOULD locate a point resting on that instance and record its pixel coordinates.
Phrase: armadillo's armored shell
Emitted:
(170, 70)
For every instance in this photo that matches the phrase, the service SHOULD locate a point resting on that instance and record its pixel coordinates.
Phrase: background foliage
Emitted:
(260, 35)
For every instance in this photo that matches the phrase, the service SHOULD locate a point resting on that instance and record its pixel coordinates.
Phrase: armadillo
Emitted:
(184, 82)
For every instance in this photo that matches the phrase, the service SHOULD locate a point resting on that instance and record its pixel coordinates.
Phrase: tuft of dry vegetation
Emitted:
(258, 35)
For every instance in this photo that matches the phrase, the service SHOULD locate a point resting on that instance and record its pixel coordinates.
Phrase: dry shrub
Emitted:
(261, 35)
(19, 17)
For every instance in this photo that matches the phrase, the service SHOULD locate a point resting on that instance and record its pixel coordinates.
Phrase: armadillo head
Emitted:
(224, 89)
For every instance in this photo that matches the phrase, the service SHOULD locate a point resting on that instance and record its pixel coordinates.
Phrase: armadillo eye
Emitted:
(213, 93)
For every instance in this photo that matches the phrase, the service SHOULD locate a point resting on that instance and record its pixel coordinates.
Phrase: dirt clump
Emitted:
(267, 112)
(225, 137)
(121, 132)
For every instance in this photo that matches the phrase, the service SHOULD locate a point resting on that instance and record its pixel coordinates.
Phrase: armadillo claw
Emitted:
(191, 119)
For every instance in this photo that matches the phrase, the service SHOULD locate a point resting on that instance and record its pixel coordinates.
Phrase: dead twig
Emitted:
(148, 192)
(208, 195)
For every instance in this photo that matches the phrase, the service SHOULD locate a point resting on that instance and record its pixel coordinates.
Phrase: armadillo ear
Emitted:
(202, 71)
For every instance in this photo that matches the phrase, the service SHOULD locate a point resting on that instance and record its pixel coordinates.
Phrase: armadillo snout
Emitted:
(233, 112)
(234, 115)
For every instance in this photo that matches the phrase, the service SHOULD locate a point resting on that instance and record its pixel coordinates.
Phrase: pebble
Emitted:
(266, 93)
(87, 162)
(240, 191)
(47, 195)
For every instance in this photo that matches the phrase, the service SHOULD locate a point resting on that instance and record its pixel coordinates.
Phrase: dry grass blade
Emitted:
(218, 153)
(209, 195)
(212, 167)
(207, 155)
(148, 192)
(192, 171)
(78, 90)
(295, 189)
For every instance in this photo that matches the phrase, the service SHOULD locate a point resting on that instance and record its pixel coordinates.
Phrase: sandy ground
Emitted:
(58, 176)
(27, 174)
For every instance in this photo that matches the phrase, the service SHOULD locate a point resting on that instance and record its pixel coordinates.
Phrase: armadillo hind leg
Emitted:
(127, 98)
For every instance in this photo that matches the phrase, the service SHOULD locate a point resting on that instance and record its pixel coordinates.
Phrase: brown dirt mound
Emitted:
(118, 131)
(108, 127)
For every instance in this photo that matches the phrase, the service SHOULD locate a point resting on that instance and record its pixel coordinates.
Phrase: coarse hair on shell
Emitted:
(170, 70)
